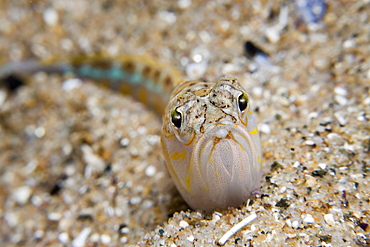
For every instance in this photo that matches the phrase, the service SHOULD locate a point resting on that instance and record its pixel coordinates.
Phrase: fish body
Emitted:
(209, 135)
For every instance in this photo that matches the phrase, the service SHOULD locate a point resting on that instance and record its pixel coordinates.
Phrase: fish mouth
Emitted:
(227, 161)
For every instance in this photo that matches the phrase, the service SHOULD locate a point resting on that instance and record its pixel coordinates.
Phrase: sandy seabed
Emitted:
(81, 166)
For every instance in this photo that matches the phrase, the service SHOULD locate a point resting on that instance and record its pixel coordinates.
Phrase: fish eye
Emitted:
(176, 118)
(243, 101)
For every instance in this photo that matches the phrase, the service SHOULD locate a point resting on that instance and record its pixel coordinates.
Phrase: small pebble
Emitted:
(312, 115)
(66, 44)
(195, 71)
(340, 91)
(124, 142)
(3, 95)
(153, 139)
(150, 171)
(11, 218)
(334, 136)
(142, 130)
(22, 194)
(36, 201)
(263, 62)
(183, 4)
(125, 230)
(322, 166)
(80, 240)
(265, 128)
(322, 64)
(253, 67)
(349, 147)
(95, 237)
(167, 16)
(190, 238)
(272, 34)
(310, 143)
(329, 218)
(147, 204)
(217, 214)
(93, 162)
(105, 239)
(63, 237)
(67, 149)
(123, 240)
(257, 91)
(339, 116)
(229, 68)
(70, 84)
(135, 200)
(289, 222)
(39, 234)
(349, 44)
(296, 164)
(307, 218)
(321, 129)
(367, 100)
(361, 116)
(341, 100)
(183, 224)
(50, 17)
(54, 216)
(311, 181)
(39, 132)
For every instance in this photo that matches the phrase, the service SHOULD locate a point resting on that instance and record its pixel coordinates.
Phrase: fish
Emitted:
(209, 136)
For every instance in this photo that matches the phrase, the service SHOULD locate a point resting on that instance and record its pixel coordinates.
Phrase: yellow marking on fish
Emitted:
(253, 132)
(188, 183)
(125, 89)
(259, 161)
(178, 156)
(143, 94)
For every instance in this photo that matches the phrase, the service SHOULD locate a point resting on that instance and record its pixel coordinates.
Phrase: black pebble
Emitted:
(251, 50)
(12, 82)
